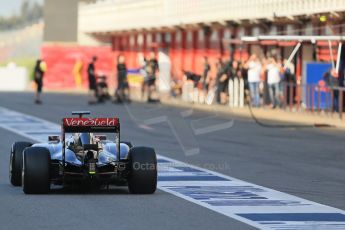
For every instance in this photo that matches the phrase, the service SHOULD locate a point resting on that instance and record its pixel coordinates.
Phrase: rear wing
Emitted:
(92, 125)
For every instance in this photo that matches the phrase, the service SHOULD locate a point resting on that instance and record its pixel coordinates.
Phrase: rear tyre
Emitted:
(36, 170)
(143, 170)
(16, 162)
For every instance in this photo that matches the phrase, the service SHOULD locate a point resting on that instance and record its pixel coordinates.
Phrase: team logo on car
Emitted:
(98, 122)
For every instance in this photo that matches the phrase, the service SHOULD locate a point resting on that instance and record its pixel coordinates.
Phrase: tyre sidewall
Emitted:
(143, 170)
(36, 170)
(16, 162)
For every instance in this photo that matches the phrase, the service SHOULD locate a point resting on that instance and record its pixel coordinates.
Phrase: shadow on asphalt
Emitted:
(76, 191)
(89, 191)
(55, 190)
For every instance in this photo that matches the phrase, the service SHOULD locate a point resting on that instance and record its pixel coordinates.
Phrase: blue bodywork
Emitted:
(77, 162)
(106, 155)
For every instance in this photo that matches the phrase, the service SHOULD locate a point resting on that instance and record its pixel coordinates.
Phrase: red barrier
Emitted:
(61, 60)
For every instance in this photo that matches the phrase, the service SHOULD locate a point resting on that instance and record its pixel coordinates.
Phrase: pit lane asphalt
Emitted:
(308, 163)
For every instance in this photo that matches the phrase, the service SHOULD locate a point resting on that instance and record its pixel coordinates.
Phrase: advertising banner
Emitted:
(316, 91)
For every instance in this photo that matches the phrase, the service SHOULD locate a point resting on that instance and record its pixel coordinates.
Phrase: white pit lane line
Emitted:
(252, 204)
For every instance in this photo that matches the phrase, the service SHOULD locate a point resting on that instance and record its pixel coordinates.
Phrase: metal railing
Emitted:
(312, 98)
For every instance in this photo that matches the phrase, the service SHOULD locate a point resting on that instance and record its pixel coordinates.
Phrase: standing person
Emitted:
(39, 71)
(205, 76)
(244, 74)
(233, 83)
(219, 65)
(222, 80)
(144, 73)
(92, 81)
(289, 81)
(234, 70)
(273, 80)
(152, 69)
(122, 91)
(254, 71)
(341, 83)
(332, 81)
(77, 72)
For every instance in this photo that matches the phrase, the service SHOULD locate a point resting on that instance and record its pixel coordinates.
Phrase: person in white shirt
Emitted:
(273, 80)
(254, 72)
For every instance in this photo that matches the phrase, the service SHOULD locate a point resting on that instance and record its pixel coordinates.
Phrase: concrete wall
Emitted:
(61, 20)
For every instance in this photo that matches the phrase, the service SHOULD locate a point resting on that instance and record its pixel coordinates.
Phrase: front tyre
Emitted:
(36, 165)
(16, 162)
(142, 170)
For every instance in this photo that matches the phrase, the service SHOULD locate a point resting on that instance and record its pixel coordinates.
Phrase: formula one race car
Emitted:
(83, 155)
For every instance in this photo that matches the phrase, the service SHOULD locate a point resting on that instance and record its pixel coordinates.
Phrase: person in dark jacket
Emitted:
(222, 80)
(152, 69)
(332, 81)
(122, 91)
(205, 75)
(233, 71)
(39, 71)
(91, 72)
